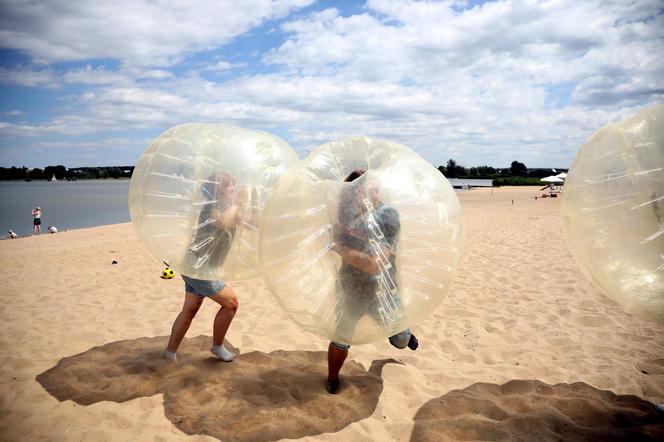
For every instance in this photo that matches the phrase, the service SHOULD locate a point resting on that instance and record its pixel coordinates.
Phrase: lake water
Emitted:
(77, 204)
(64, 204)
(465, 183)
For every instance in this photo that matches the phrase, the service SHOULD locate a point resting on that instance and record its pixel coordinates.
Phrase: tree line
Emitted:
(517, 173)
(62, 173)
(516, 169)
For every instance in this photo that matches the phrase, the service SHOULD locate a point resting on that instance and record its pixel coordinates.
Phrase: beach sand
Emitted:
(523, 348)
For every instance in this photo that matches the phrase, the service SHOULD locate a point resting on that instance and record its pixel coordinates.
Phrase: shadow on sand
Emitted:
(527, 410)
(258, 396)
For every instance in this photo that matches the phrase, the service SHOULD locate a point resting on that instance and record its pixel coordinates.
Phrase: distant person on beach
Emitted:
(11, 234)
(52, 229)
(367, 258)
(218, 220)
(36, 223)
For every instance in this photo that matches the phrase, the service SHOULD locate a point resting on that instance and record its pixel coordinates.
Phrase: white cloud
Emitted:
(223, 65)
(14, 113)
(156, 74)
(90, 75)
(26, 76)
(106, 143)
(142, 32)
(480, 77)
(508, 80)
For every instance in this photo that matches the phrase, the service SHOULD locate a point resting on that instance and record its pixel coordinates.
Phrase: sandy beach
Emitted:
(523, 348)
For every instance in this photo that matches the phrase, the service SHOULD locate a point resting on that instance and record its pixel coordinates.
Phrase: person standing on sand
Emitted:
(36, 223)
(213, 239)
(363, 220)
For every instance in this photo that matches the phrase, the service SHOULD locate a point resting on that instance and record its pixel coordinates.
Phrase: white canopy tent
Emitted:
(552, 179)
(554, 184)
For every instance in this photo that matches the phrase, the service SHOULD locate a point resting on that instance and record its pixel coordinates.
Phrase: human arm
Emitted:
(359, 260)
(228, 212)
(227, 218)
(368, 256)
(384, 230)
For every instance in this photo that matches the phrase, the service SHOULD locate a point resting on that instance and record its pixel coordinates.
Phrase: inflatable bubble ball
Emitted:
(613, 212)
(197, 193)
(360, 240)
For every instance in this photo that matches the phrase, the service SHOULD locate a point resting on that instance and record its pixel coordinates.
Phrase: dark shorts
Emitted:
(202, 287)
(37, 222)
(357, 299)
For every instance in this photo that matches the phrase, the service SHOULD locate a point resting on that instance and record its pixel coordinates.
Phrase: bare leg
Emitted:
(228, 301)
(335, 360)
(191, 305)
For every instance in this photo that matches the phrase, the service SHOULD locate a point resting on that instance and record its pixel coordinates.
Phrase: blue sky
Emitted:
(92, 83)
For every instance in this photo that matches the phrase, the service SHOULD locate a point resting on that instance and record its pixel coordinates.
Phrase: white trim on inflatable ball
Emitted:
(398, 227)
(197, 194)
(613, 212)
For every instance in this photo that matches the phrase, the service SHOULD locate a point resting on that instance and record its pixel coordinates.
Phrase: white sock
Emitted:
(221, 352)
(170, 355)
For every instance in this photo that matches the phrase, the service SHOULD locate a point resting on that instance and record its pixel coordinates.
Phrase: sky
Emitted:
(93, 82)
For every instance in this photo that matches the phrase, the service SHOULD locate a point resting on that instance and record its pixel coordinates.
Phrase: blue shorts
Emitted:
(201, 287)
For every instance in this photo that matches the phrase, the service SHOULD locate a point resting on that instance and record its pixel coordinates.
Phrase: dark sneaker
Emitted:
(413, 343)
(332, 385)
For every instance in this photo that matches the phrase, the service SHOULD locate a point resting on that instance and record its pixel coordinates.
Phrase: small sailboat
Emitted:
(53, 178)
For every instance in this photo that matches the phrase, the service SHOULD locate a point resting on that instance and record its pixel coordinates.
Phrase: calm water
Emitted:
(76, 204)
(469, 182)
(64, 204)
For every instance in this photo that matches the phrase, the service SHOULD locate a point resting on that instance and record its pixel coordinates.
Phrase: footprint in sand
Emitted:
(265, 396)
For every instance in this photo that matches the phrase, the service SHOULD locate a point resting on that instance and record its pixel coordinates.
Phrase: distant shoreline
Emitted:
(66, 180)
(59, 232)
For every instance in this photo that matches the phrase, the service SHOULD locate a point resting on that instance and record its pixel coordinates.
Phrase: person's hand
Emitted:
(242, 195)
(369, 264)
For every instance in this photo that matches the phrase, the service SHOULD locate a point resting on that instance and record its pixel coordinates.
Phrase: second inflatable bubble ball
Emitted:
(197, 193)
(361, 240)
(613, 212)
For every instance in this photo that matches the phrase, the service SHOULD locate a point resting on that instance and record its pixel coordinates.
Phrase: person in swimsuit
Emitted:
(36, 223)
(210, 244)
(366, 238)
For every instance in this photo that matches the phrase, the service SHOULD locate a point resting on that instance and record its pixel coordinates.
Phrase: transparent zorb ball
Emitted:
(358, 260)
(197, 194)
(613, 212)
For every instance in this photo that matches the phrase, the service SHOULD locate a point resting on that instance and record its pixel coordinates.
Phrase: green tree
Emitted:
(486, 171)
(59, 171)
(452, 168)
(518, 169)
(36, 174)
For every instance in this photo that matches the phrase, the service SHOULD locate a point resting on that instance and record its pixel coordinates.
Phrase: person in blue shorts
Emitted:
(213, 238)
(366, 238)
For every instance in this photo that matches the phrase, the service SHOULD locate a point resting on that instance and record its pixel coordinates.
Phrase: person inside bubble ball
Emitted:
(366, 238)
(214, 234)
